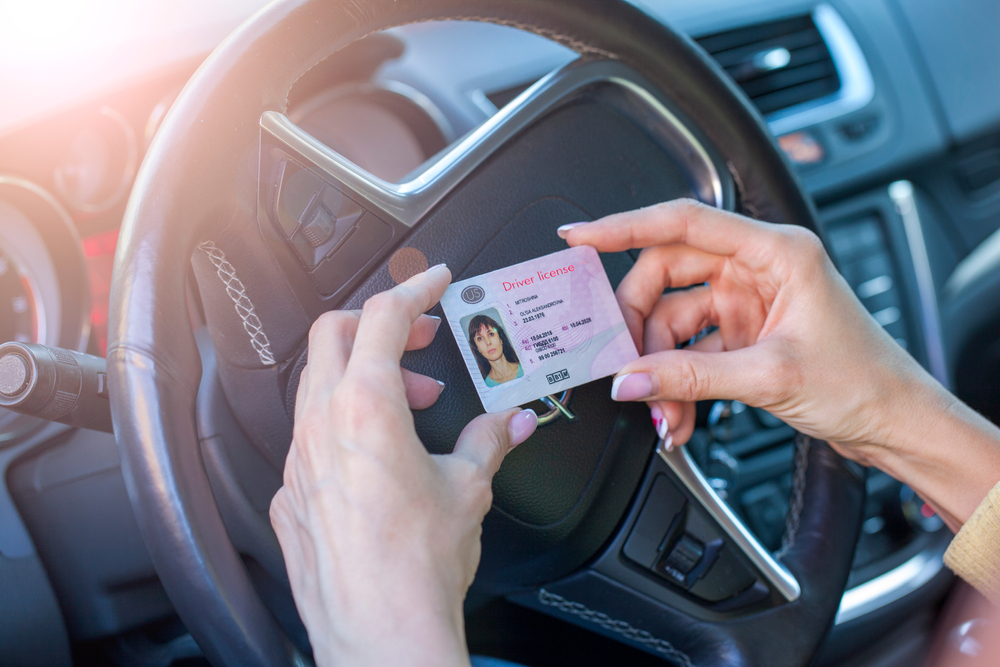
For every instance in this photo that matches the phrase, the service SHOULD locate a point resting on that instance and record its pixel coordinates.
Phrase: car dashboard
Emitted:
(887, 110)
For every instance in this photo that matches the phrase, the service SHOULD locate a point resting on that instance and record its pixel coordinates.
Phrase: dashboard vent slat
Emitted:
(778, 64)
(791, 41)
(751, 34)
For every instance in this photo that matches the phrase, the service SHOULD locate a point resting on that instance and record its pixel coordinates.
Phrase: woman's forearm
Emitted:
(943, 449)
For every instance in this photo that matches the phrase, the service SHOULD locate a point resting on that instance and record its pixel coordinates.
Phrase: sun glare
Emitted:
(42, 32)
(55, 51)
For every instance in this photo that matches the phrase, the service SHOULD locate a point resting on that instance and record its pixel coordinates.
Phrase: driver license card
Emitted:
(538, 328)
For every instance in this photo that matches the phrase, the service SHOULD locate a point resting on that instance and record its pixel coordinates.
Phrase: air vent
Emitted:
(779, 64)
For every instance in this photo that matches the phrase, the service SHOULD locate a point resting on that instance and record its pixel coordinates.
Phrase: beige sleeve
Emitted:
(974, 554)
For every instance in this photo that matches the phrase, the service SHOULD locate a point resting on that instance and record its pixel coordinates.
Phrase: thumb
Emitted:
(486, 439)
(751, 375)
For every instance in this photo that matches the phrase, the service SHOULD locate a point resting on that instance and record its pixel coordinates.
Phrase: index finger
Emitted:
(679, 221)
(387, 317)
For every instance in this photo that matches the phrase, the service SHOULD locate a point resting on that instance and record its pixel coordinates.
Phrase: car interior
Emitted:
(186, 186)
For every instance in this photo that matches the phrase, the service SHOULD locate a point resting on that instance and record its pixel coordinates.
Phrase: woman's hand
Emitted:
(381, 539)
(792, 338)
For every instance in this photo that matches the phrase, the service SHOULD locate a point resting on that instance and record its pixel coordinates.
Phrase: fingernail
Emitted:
(660, 422)
(440, 384)
(668, 441)
(437, 321)
(437, 266)
(632, 387)
(521, 426)
(564, 229)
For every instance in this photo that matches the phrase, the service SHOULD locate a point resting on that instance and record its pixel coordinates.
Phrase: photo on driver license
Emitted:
(491, 348)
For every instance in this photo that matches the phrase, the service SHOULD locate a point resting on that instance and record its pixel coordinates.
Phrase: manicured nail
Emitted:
(660, 422)
(437, 322)
(417, 278)
(564, 229)
(632, 387)
(440, 384)
(668, 442)
(521, 426)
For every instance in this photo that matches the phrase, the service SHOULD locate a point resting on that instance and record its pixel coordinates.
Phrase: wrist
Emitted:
(941, 448)
(433, 648)
(912, 408)
(407, 631)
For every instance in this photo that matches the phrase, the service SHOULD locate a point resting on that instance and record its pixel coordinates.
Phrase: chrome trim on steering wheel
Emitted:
(891, 586)
(687, 472)
(410, 201)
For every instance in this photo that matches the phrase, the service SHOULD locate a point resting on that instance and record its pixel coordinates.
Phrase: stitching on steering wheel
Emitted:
(570, 42)
(802, 443)
(627, 631)
(244, 306)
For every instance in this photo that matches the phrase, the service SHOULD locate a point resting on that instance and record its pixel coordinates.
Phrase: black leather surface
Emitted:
(820, 558)
(199, 183)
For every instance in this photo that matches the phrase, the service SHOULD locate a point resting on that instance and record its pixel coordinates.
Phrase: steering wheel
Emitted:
(278, 229)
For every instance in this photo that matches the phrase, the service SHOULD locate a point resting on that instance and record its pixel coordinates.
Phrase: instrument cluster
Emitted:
(44, 295)
(64, 184)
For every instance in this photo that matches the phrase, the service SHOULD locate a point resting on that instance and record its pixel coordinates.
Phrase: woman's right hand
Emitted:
(791, 338)
(381, 539)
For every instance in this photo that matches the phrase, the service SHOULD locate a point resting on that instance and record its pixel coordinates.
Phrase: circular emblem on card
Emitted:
(473, 294)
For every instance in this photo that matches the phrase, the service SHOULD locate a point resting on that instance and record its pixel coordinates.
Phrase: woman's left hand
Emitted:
(381, 539)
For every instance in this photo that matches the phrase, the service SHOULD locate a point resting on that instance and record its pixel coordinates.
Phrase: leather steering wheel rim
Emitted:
(200, 174)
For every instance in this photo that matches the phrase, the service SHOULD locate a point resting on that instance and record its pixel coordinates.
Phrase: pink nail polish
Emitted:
(632, 387)
(660, 422)
(521, 426)
(564, 229)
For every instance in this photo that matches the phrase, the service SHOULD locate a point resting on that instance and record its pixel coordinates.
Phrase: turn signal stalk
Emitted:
(55, 384)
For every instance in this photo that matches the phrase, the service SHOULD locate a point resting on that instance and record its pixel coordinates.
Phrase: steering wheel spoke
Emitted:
(409, 201)
(337, 219)
(737, 536)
